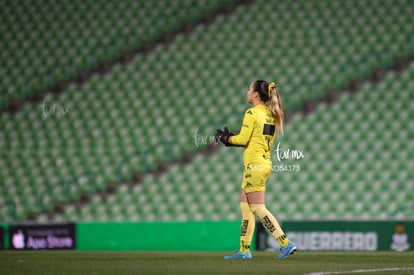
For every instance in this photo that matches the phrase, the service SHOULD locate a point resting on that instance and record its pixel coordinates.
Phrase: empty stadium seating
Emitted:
(45, 41)
(148, 111)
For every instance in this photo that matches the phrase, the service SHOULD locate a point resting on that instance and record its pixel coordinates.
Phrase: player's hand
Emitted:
(224, 135)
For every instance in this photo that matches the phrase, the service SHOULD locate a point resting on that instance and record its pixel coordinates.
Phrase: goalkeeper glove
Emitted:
(223, 136)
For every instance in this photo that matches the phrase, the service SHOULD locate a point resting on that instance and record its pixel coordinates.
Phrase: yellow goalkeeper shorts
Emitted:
(255, 176)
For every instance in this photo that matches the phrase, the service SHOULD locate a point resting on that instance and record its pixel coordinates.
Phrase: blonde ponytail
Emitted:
(275, 105)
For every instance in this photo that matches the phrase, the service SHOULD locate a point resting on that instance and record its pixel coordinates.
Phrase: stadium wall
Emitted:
(165, 236)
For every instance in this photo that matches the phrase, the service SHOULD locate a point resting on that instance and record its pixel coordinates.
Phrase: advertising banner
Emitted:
(343, 235)
(42, 236)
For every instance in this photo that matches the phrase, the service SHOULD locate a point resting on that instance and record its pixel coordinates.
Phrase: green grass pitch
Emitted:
(312, 263)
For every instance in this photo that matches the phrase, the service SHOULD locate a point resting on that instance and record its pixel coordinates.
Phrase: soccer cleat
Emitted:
(287, 250)
(239, 255)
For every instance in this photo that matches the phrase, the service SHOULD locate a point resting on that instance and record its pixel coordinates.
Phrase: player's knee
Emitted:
(258, 209)
(245, 208)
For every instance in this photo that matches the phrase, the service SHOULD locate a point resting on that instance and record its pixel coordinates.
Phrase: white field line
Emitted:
(361, 271)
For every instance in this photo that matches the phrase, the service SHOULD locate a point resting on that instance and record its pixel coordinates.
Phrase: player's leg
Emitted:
(246, 229)
(255, 194)
(248, 223)
(270, 223)
(258, 207)
(247, 226)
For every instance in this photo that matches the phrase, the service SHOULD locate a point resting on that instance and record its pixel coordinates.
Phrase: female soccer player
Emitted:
(260, 125)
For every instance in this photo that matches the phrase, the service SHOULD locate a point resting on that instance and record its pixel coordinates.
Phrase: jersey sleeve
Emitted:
(246, 130)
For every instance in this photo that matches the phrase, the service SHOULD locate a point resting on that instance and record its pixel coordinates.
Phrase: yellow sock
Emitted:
(247, 227)
(270, 223)
(283, 240)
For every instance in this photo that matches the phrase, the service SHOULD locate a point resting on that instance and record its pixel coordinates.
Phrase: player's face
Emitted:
(250, 94)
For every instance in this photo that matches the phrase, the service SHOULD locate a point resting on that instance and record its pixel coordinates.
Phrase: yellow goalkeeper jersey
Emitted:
(257, 134)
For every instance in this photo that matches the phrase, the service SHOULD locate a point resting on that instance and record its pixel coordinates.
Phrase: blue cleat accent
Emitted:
(287, 250)
(239, 255)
